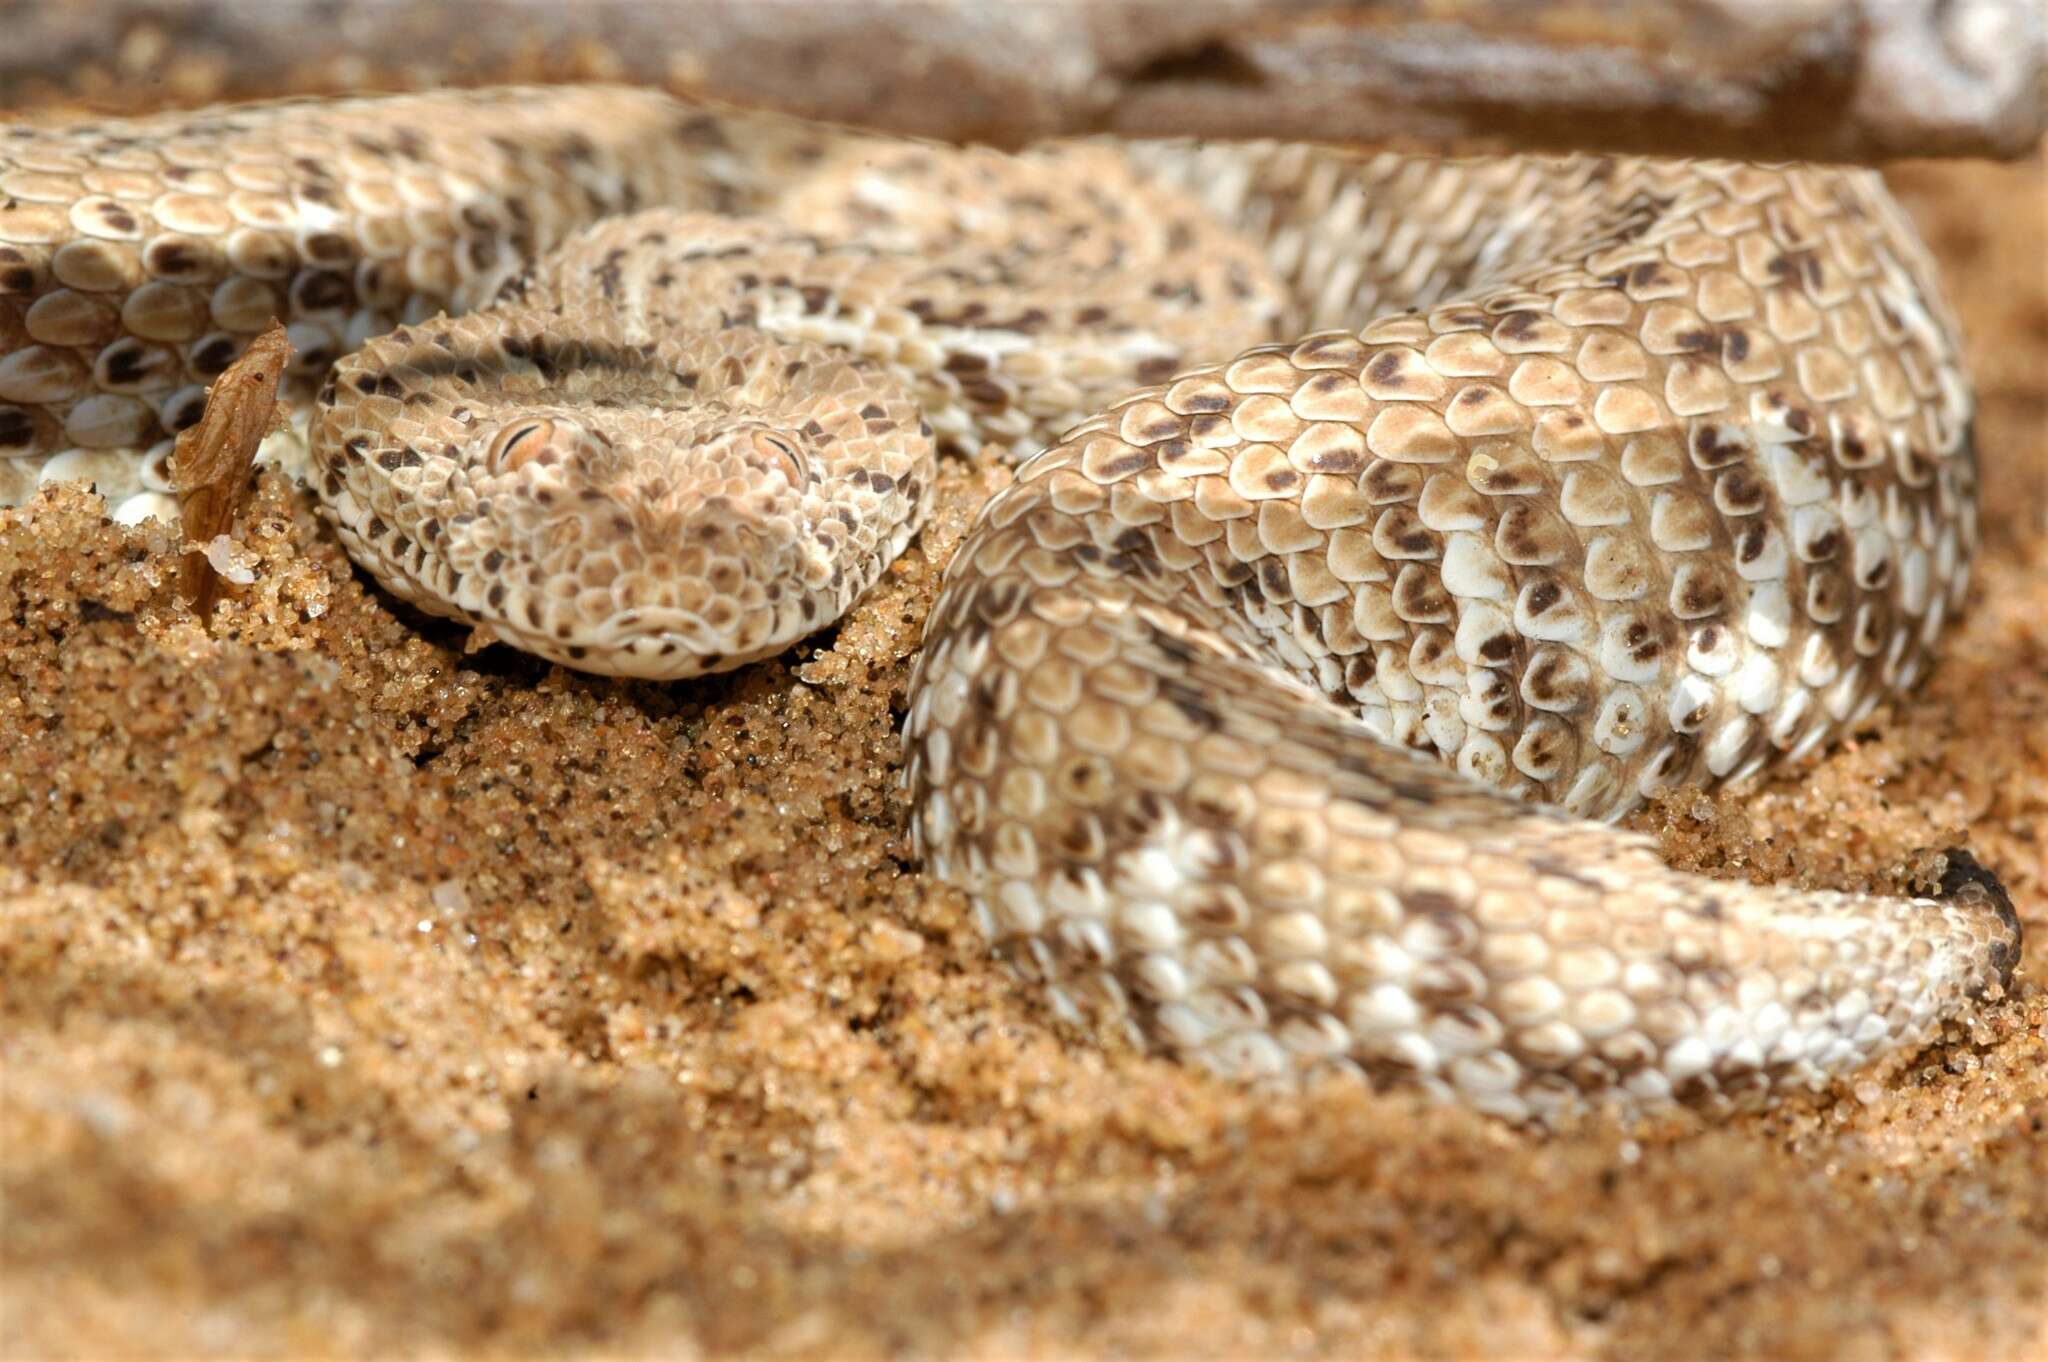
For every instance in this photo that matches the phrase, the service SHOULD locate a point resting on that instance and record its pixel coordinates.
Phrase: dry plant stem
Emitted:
(1834, 80)
(214, 457)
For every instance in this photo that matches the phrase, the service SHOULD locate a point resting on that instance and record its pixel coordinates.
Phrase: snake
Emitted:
(1387, 526)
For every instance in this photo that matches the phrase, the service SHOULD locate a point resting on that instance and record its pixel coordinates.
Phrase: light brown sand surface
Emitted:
(360, 996)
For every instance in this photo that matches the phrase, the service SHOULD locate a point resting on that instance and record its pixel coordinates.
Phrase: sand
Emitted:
(364, 996)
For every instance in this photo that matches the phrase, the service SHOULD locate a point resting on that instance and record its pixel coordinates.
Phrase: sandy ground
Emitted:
(360, 996)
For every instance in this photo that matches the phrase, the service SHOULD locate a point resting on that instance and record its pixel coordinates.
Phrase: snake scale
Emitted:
(1392, 522)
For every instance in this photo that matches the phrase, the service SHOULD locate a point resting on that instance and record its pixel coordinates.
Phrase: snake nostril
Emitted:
(784, 454)
(521, 443)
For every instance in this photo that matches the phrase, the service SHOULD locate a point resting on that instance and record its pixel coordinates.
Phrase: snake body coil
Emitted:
(1622, 474)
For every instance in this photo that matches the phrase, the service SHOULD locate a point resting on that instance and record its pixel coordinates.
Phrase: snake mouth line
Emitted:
(675, 647)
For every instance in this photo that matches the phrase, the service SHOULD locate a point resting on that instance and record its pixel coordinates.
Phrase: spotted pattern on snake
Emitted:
(1392, 522)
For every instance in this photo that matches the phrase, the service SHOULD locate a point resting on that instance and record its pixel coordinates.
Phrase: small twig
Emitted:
(213, 458)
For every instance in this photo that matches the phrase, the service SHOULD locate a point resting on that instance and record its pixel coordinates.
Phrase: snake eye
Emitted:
(522, 443)
(785, 454)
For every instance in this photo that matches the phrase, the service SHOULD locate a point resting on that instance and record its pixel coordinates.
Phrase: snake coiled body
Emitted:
(1378, 498)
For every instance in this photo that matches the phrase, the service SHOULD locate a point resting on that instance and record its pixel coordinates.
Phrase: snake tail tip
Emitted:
(1967, 879)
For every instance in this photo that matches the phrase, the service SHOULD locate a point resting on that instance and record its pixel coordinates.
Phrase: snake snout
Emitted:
(668, 581)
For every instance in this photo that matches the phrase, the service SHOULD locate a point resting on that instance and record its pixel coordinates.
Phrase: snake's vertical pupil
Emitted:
(520, 444)
(785, 454)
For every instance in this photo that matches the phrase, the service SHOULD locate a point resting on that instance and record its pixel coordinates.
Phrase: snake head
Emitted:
(657, 510)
